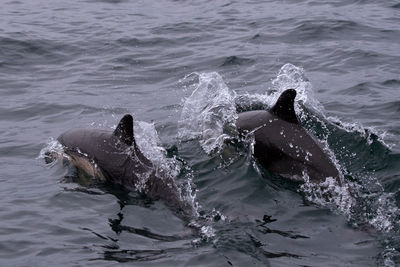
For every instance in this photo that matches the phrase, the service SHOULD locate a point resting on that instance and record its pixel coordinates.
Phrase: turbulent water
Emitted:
(185, 69)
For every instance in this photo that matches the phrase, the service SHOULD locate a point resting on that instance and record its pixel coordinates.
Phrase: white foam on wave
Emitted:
(329, 194)
(207, 231)
(365, 132)
(381, 212)
(386, 213)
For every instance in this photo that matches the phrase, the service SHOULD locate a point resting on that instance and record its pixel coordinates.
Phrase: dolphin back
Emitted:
(282, 145)
(121, 161)
(115, 153)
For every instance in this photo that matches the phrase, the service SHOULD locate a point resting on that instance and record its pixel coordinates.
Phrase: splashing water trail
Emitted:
(328, 194)
(150, 144)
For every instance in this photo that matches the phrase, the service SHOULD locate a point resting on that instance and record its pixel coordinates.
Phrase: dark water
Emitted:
(65, 64)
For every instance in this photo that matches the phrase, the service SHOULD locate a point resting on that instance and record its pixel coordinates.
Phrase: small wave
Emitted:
(146, 42)
(16, 52)
(108, 1)
(235, 60)
(368, 133)
(392, 82)
(43, 110)
(396, 5)
(329, 29)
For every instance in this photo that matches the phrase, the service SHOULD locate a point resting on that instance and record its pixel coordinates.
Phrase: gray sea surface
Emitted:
(184, 69)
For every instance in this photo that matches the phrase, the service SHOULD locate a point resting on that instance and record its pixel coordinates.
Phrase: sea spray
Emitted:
(206, 112)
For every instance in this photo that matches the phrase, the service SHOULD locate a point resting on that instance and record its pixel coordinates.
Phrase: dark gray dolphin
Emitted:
(282, 145)
(115, 156)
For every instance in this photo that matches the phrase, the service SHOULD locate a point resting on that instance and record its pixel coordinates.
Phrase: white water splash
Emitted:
(293, 77)
(365, 132)
(207, 231)
(149, 143)
(386, 213)
(288, 77)
(52, 146)
(206, 112)
(328, 194)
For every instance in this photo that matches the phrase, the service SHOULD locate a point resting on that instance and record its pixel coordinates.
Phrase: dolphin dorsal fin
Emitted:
(284, 106)
(124, 130)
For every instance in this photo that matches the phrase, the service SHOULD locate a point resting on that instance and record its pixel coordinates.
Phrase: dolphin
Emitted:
(283, 146)
(115, 157)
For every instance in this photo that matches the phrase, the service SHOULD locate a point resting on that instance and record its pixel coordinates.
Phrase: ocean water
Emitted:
(185, 69)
